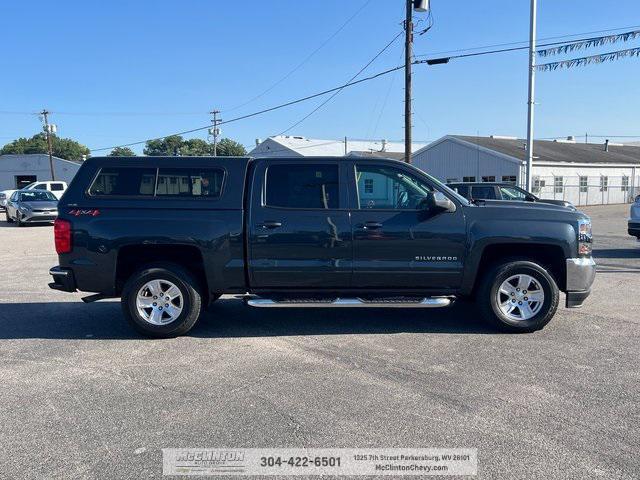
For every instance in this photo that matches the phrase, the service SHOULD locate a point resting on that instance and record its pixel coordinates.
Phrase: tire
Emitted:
(8, 218)
(167, 274)
(534, 315)
(18, 221)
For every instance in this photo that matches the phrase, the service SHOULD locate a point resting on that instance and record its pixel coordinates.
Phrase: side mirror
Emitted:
(530, 198)
(437, 201)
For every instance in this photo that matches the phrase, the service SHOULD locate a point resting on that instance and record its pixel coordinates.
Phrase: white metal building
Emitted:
(296, 146)
(582, 173)
(17, 171)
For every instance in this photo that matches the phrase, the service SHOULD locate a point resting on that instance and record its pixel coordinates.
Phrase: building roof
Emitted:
(558, 151)
(303, 146)
(391, 155)
(34, 156)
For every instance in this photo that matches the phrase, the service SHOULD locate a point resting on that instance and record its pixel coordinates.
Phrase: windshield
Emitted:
(37, 196)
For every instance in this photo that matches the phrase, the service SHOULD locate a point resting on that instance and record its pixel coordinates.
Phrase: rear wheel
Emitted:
(518, 296)
(162, 300)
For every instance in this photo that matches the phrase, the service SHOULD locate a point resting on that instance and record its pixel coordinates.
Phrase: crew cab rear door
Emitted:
(397, 243)
(299, 230)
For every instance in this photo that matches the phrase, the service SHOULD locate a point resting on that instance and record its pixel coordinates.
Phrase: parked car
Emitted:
(57, 188)
(170, 235)
(501, 191)
(634, 218)
(31, 206)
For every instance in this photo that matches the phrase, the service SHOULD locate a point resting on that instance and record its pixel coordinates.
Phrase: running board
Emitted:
(429, 302)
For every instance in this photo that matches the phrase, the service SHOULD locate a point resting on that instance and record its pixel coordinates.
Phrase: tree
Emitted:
(62, 147)
(164, 147)
(122, 152)
(230, 148)
(176, 145)
(195, 147)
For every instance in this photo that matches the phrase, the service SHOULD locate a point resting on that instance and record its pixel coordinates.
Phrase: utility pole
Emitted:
(531, 102)
(48, 130)
(408, 54)
(215, 130)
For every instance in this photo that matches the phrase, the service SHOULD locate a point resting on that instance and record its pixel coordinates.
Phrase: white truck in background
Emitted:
(54, 186)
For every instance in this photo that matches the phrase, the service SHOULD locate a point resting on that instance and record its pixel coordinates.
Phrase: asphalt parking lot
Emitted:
(83, 396)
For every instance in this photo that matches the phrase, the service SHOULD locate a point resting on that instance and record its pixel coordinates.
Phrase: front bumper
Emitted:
(35, 217)
(63, 279)
(580, 275)
(634, 228)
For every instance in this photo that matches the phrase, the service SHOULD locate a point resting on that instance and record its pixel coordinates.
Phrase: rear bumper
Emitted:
(63, 279)
(581, 273)
(634, 228)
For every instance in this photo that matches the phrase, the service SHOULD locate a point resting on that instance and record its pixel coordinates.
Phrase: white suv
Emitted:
(53, 186)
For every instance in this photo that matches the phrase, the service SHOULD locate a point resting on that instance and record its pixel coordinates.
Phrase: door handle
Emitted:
(372, 225)
(269, 225)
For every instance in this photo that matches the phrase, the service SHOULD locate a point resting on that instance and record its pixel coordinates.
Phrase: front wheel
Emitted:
(518, 296)
(8, 218)
(162, 300)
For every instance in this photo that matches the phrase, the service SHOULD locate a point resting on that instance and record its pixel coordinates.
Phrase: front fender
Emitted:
(528, 234)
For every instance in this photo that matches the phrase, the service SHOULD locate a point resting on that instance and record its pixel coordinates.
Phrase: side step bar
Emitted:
(429, 302)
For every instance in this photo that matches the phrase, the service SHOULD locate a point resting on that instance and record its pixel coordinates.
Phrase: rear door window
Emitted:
(305, 186)
(40, 186)
(57, 187)
(484, 192)
(190, 182)
(124, 181)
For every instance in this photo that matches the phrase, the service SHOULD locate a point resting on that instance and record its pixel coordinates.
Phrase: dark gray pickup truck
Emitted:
(170, 235)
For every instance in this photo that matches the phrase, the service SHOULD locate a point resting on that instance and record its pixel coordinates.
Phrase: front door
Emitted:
(398, 243)
(299, 227)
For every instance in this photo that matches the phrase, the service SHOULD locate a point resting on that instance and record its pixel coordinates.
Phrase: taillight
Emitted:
(62, 235)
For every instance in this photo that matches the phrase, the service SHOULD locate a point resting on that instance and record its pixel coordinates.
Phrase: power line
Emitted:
(431, 61)
(527, 41)
(260, 112)
(303, 62)
(337, 92)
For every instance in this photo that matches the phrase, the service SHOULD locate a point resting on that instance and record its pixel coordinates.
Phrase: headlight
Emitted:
(585, 238)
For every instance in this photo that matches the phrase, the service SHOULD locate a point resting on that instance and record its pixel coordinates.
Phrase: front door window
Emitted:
(388, 188)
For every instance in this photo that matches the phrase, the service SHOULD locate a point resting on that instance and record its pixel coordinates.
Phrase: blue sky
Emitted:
(122, 71)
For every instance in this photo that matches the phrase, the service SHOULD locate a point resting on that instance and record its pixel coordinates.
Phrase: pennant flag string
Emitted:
(581, 62)
(589, 43)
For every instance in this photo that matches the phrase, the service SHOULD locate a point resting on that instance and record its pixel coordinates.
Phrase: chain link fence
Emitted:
(587, 190)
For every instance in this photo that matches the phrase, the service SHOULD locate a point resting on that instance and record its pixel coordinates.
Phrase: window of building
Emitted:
(625, 183)
(604, 183)
(468, 179)
(538, 184)
(190, 182)
(124, 181)
(490, 178)
(558, 184)
(482, 192)
(584, 184)
(368, 185)
(307, 186)
(394, 189)
(509, 178)
(24, 180)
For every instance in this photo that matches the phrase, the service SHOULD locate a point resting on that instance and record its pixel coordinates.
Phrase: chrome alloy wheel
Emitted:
(159, 302)
(520, 297)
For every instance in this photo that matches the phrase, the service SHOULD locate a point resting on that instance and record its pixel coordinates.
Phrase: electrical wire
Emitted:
(302, 63)
(337, 92)
(527, 41)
